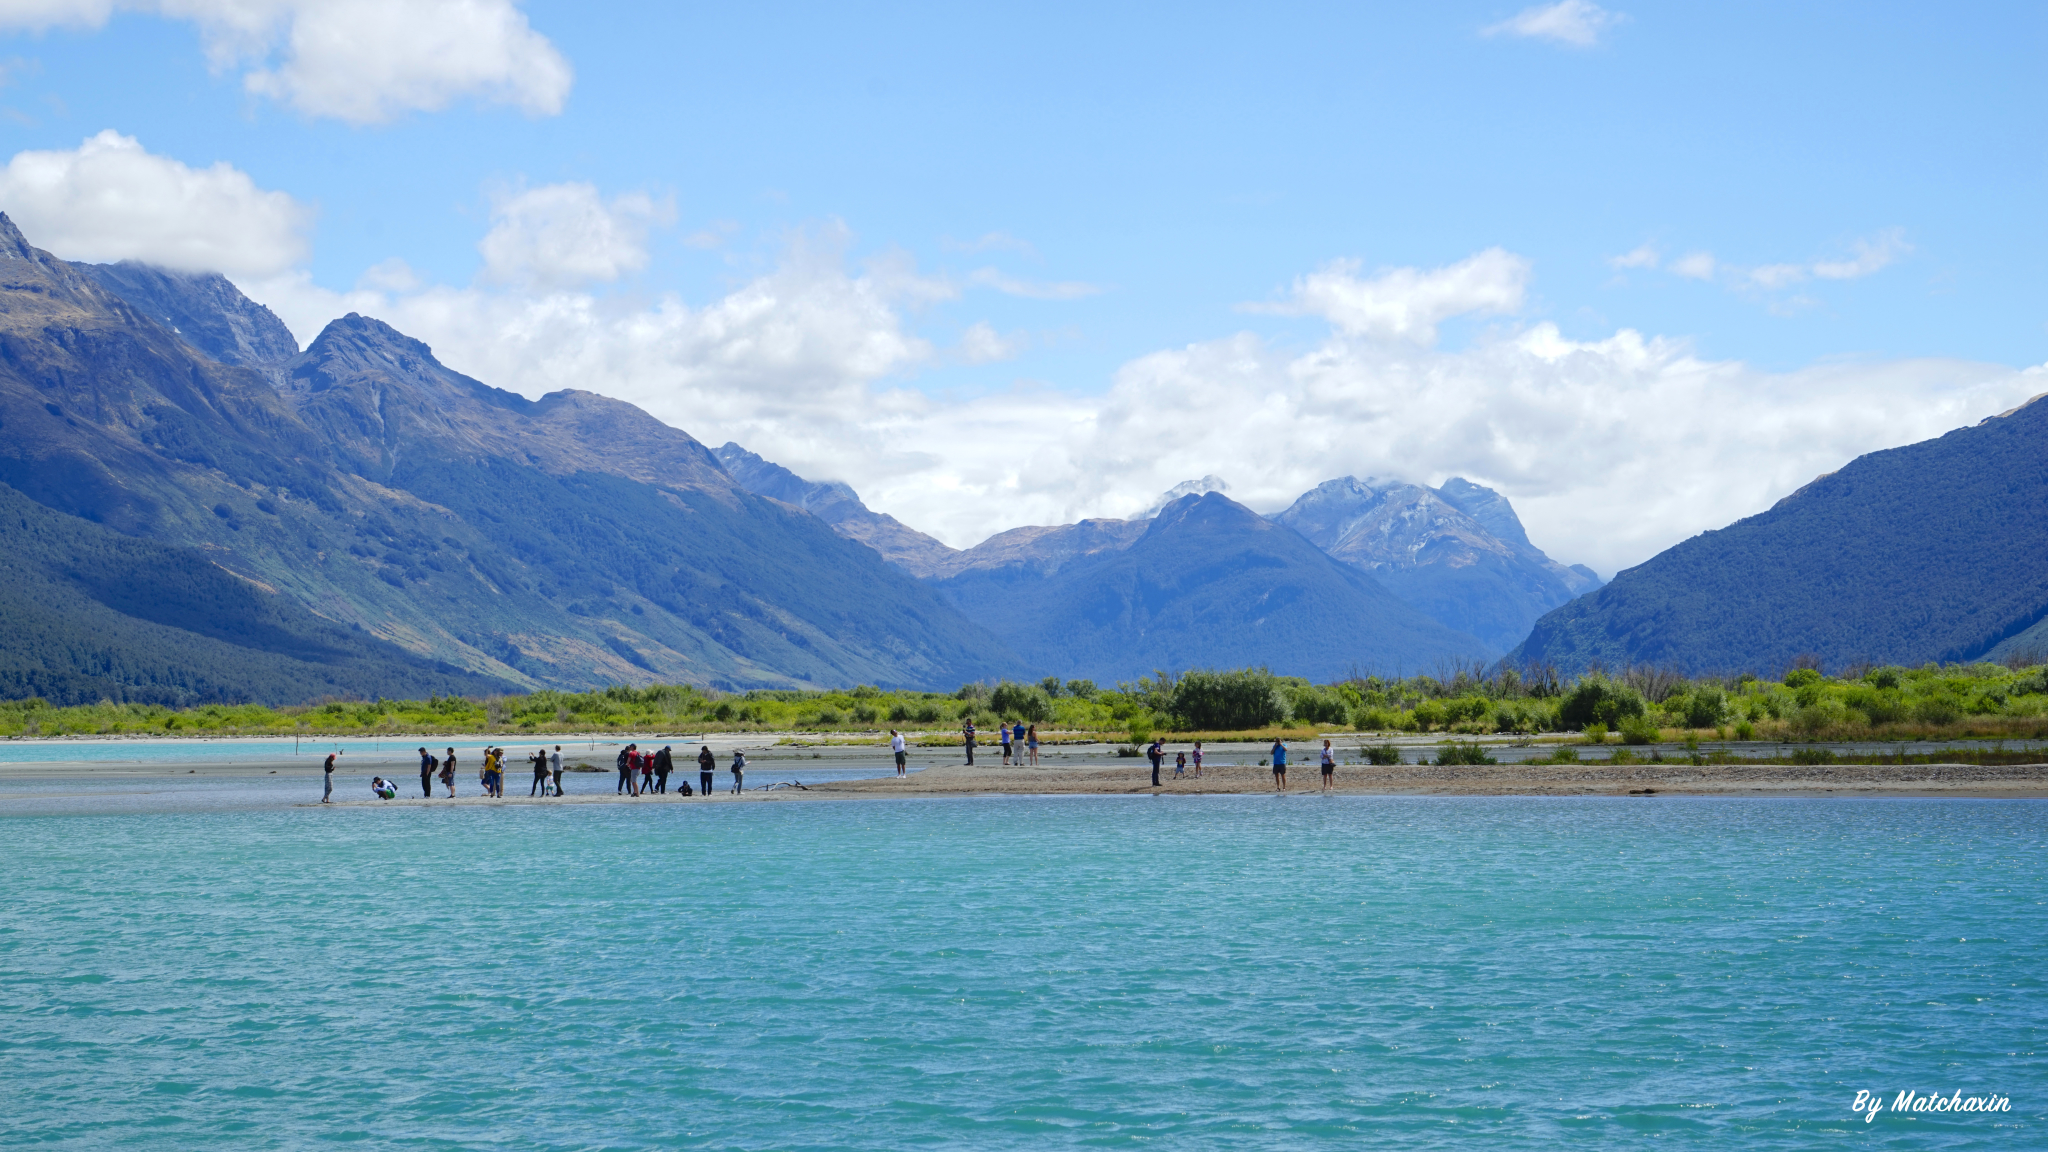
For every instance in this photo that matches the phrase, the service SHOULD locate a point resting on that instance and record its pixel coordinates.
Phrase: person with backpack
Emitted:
(706, 765)
(739, 769)
(539, 760)
(664, 763)
(1156, 753)
(427, 766)
(646, 760)
(625, 769)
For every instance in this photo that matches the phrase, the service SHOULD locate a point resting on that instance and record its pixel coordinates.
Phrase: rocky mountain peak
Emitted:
(204, 309)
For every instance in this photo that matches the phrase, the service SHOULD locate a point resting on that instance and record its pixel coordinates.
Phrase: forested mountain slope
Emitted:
(572, 541)
(1935, 551)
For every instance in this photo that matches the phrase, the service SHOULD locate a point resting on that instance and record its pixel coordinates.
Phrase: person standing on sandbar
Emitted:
(707, 764)
(1279, 766)
(427, 767)
(327, 797)
(448, 772)
(739, 771)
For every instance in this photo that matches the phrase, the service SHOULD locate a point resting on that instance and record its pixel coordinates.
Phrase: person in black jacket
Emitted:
(706, 765)
(625, 766)
(663, 765)
(427, 765)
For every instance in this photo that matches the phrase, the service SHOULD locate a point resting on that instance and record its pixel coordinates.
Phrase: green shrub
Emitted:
(1141, 728)
(1381, 754)
(1373, 720)
(1597, 733)
(1744, 730)
(1706, 707)
(1465, 708)
(926, 713)
(1801, 677)
(1937, 710)
(1208, 700)
(862, 714)
(1887, 677)
(1639, 730)
(1879, 706)
(898, 714)
(1027, 701)
(1081, 689)
(1596, 699)
(1430, 714)
(1310, 706)
(1456, 753)
(1812, 755)
(828, 717)
(1565, 754)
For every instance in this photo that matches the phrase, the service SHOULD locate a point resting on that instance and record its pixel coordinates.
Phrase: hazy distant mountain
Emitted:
(1459, 553)
(1935, 551)
(837, 505)
(571, 541)
(1207, 583)
(1185, 488)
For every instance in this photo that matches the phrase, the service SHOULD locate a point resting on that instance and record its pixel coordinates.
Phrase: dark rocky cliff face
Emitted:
(572, 541)
(203, 309)
(837, 504)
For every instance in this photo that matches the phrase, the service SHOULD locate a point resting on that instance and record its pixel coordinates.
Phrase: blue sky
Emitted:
(1043, 200)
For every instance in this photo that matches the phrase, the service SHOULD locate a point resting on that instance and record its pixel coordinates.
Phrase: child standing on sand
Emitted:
(1198, 759)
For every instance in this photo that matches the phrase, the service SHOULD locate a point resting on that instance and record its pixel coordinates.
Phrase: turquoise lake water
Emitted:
(1217, 972)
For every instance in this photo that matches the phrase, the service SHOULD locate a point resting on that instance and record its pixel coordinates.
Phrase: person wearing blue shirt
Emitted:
(1279, 766)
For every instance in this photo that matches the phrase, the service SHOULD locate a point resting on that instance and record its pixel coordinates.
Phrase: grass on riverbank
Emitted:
(1635, 707)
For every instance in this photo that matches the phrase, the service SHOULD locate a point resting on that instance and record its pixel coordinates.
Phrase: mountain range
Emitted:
(1937, 551)
(571, 541)
(1458, 554)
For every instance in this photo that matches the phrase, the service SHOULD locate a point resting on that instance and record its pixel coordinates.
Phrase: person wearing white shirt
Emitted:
(896, 746)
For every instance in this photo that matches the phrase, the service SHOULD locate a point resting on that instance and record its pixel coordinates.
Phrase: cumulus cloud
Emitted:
(561, 235)
(1611, 448)
(362, 61)
(1695, 266)
(1645, 256)
(982, 344)
(111, 199)
(1029, 289)
(1407, 303)
(1578, 23)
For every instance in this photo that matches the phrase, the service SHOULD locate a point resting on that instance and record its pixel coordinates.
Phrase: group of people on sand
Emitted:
(1019, 742)
(643, 773)
(1278, 755)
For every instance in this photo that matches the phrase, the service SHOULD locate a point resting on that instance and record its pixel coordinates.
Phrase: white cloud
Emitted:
(111, 199)
(1611, 449)
(1645, 256)
(1031, 290)
(1872, 255)
(362, 61)
(1407, 303)
(560, 235)
(982, 344)
(1695, 266)
(1574, 22)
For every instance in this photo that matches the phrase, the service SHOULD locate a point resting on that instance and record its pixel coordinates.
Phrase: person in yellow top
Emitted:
(493, 773)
